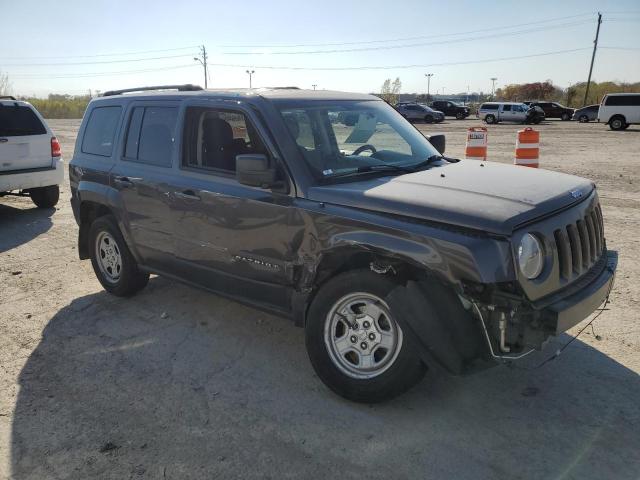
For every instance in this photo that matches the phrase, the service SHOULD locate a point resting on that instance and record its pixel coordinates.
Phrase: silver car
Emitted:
(495, 112)
(417, 111)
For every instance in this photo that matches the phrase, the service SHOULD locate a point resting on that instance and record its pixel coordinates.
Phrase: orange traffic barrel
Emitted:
(476, 148)
(527, 148)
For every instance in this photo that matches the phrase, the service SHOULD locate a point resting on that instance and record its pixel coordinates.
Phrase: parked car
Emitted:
(619, 110)
(496, 112)
(586, 114)
(415, 111)
(391, 256)
(30, 156)
(451, 109)
(554, 110)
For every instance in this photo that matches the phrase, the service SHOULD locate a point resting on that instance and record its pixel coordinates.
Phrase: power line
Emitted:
(401, 39)
(410, 45)
(392, 67)
(122, 54)
(59, 64)
(99, 74)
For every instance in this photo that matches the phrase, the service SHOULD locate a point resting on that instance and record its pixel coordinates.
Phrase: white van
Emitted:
(620, 110)
(30, 157)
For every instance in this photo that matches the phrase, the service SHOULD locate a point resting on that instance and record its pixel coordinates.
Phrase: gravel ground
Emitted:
(177, 383)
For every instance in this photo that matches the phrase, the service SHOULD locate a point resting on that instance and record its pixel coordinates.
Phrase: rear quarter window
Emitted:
(19, 121)
(100, 131)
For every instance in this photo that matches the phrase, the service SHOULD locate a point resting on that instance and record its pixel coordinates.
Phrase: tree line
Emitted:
(572, 96)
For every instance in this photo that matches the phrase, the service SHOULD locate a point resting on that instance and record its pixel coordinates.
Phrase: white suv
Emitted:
(619, 110)
(30, 157)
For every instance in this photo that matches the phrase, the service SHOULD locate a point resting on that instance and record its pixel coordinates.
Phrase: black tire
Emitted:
(428, 119)
(402, 372)
(460, 116)
(626, 125)
(537, 120)
(617, 122)
(583, 119)
(565, 116)
(130, 279)
(490, 119)
(45, 197)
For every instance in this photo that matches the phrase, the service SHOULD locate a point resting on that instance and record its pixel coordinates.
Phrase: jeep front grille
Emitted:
(580, 245)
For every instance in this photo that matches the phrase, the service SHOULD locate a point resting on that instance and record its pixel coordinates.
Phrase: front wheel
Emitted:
(45, 197)
(565, 116)
(490, 119)
(355, 343)
(428, 119)
(460, 116)
(111, 259)
(583, 119)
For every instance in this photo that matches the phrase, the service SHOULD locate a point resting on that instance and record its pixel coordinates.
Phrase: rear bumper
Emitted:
(32, 178)
(573, 309)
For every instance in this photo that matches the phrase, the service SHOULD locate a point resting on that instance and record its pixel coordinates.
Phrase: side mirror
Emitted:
(254, 170)
(438, 141)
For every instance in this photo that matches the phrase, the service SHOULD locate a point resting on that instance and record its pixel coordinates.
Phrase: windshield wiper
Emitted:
(432, 159)
(378, 167)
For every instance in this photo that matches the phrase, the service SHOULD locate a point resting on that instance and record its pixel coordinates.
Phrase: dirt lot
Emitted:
(176, 383)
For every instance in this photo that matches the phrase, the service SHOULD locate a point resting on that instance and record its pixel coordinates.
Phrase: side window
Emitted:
(213, 138)
(506, 108)
(101, 130)
(623, 100)
(151, 135)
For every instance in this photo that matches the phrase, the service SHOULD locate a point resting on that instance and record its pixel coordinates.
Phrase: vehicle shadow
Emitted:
(178, 383)
(18, 226)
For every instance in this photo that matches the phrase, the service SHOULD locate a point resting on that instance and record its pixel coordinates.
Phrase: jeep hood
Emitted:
(486, 196)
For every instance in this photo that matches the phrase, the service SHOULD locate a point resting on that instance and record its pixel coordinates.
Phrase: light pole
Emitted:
(250, 72)
(493, 86)
(314, 85)
(203, 61)
(428, 75)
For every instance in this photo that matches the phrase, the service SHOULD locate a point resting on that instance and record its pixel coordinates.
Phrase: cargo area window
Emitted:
(101, 131)
(151, 135)
(19, 121)
(213, 137)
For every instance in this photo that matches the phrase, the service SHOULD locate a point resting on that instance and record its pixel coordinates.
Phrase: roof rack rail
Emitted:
(7, 97)
(187, 87)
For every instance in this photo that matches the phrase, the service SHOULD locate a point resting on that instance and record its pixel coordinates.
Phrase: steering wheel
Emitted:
(362, 148)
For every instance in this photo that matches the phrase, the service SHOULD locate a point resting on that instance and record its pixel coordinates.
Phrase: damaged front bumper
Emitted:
(514, 327)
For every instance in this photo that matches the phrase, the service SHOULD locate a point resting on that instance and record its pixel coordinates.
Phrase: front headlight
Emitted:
(530, 256)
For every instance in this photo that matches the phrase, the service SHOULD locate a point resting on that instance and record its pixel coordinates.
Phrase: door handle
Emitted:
(187, 195)
(124, 182)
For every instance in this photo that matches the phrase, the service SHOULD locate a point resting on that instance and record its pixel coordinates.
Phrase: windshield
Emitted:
(343, 137)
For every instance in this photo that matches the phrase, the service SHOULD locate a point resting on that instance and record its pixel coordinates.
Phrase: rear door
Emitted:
(24, 140)
(142, 176)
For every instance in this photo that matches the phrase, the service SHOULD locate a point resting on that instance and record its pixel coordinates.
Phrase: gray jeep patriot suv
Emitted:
(390, 255)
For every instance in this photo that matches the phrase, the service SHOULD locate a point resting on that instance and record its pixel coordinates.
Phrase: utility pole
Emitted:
(493, 86)
(250, 73)
(203, 61)
(593, 57)
(428, 75)
(314, 85)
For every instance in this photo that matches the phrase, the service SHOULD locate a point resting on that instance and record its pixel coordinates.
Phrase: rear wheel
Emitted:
(617, 123)
(583, 119)
(354, 341)
(490, 119)
(45, 197)
(111, 259)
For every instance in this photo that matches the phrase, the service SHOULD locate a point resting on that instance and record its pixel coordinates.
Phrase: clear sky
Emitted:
(68, 46)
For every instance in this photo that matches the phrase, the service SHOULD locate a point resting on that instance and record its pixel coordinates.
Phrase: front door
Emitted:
(229, 237)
